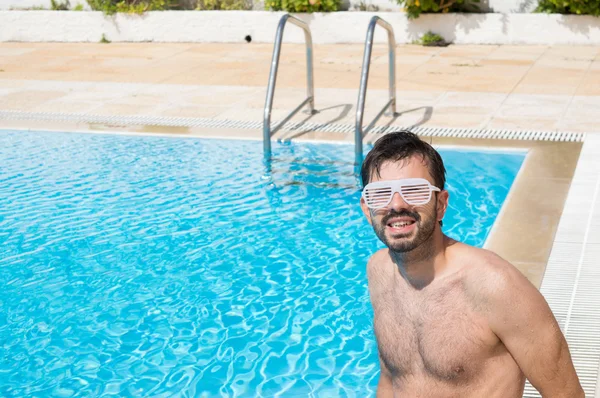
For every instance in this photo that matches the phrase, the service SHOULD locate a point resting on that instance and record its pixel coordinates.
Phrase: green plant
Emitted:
(131, 6)
(431, 39)
(33, 8)
(226, 5)
(414, 8)
(584, 7)
(104, 39)
(364, 6)
(302, 5)
(78, 7)
(59, 5)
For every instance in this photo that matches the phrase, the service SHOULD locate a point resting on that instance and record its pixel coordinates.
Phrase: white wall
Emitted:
(500, 6)
(508, 6)
(17, 4)
(504, 6)
(25, 4)
(340, 27)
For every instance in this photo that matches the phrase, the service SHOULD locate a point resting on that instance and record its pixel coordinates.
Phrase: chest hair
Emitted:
(432, 332)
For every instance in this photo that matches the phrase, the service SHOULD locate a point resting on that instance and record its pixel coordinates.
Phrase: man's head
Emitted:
(400, 225)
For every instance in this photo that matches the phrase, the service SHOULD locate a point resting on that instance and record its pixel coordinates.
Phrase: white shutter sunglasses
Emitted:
(414, 191)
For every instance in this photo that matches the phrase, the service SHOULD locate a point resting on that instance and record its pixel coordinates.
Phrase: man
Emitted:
(450, 320)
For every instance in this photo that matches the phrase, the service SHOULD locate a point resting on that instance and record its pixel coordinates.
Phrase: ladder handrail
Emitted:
(362, 94)
(310, 99)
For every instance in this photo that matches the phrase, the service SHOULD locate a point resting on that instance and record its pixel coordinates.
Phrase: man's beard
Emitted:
(425, 229)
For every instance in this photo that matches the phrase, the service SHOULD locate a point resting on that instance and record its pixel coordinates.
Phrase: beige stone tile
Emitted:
(491, 83)
(229, 76)
(6, 51)
(422, 84)
(523, 123)
(412, 49)
(250, 114)
(564, 63)
(533, 106)
(486, 100)
(13, 83)
(315, 135)
(222, 95)
(456, 119)
(405, 70)
(507, 62)
(468, 51)
(548, 80)
(576, 125)
(429, 81)
(257, 114)
(568, 52)
(482, 70)
(6, 91)
(590, 84)
(552, 160)
(448, 109)
(428, 97)
(595, 65)
(545, 88)
(60, 106)
(118, 50)
(26, 100)
(413, 115)
(140, 100)
(125, 109)
(191, 111)
(97, 95)
(516, 53)
(530, 111)
(525, 231)
(584, 109)
(286, 98)
(423, 76)
(560, 101)
(334, 114)
(434, 68)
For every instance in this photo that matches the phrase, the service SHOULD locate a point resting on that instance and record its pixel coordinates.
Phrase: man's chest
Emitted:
(436, 334)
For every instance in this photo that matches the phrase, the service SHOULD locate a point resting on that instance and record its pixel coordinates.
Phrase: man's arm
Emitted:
(375, 274)
(385, 389)
(520, 316)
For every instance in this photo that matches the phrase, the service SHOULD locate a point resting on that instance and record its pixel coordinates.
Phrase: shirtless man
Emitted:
(450, 320)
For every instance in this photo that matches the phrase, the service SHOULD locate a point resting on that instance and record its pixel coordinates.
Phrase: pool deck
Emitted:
(491, 87)
(219, 90)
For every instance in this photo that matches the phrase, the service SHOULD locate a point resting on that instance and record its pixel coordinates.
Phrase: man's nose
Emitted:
(397, 203)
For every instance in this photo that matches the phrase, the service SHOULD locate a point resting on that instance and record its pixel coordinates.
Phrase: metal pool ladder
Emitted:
(310, 99)
(359, 132)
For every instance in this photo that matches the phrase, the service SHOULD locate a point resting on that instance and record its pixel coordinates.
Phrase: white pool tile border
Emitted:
(571, 283)
(291, 126)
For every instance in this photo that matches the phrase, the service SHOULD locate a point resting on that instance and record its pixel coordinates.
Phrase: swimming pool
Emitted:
(153, 266)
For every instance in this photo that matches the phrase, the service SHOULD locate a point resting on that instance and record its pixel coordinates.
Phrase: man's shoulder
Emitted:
(491, 279)
(378, 263)
(480, 261)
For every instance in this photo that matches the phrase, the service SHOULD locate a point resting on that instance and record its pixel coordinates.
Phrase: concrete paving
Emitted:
(496, 87)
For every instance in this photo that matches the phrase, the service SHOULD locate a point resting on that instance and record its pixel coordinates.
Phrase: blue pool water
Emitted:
(146, 266)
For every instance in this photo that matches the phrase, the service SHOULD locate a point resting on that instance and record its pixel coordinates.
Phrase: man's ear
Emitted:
(365, 210)
(442, 204)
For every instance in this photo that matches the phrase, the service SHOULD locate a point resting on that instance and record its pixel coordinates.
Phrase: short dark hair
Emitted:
(402, 145)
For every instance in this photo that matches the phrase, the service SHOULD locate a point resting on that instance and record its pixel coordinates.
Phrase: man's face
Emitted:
(400, 226)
